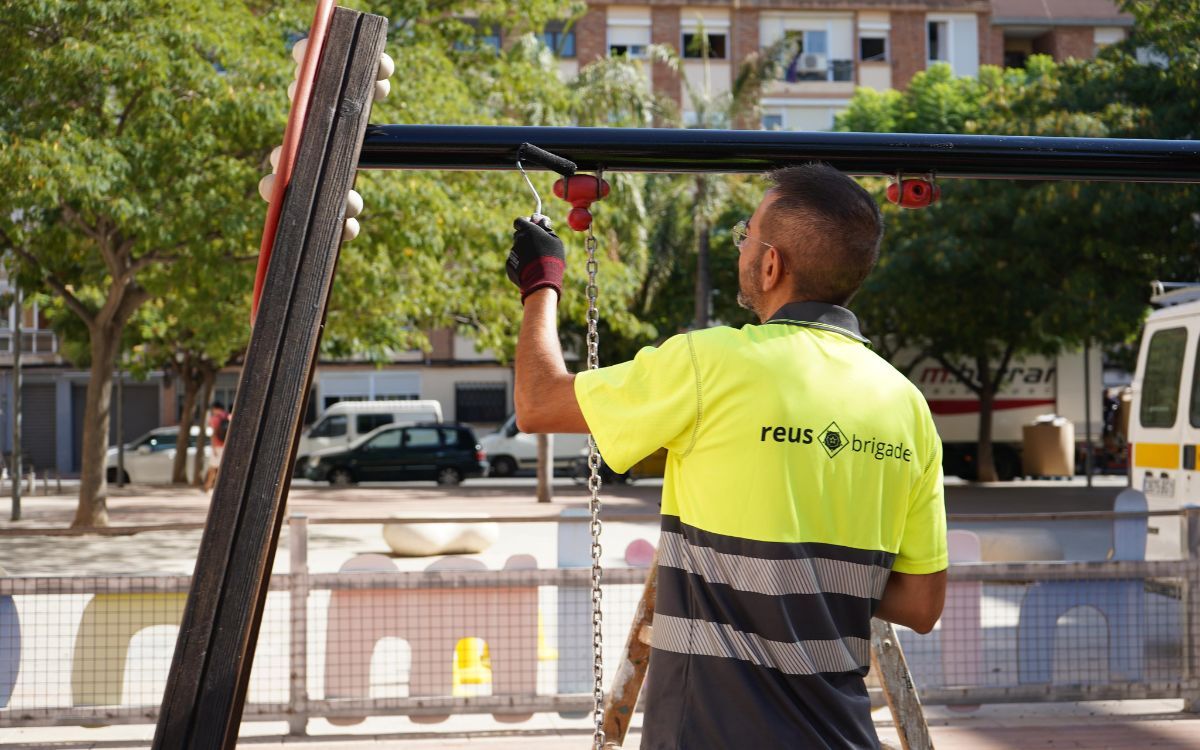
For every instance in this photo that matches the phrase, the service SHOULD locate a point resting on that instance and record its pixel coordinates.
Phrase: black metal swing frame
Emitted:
(204, 697)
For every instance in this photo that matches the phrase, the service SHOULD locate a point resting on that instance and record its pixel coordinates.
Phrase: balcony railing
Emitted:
(32, 342)
(818, 70)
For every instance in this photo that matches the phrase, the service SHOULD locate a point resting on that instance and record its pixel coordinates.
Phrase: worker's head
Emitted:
(814, 237)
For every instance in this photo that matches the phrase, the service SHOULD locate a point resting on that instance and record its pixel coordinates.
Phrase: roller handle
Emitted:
(527, 152)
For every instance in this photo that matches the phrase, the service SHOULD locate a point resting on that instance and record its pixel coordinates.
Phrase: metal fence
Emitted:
(457, 638)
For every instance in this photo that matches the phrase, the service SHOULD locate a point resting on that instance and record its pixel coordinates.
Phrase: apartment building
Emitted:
(841, 44)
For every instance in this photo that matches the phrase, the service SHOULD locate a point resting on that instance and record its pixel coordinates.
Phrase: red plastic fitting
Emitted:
(914, 192)
(581, 191)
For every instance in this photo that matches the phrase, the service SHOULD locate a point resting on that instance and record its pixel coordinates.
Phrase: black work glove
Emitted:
(537, 258)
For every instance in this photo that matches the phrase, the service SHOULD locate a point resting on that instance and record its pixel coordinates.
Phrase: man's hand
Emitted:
(536, 260)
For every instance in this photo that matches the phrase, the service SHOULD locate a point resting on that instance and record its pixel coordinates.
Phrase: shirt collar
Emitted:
(820, 315)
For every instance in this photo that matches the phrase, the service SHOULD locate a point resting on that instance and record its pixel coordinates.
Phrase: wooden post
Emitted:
(298, 606)
(622, 698)
(206, 689)
(888, 660)
(1189, 538)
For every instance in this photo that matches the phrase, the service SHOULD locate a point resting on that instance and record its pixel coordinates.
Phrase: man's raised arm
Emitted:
(543, 391)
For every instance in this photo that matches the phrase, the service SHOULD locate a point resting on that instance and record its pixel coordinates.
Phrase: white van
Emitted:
(1164, 423)
(346, 421)
(509, 450)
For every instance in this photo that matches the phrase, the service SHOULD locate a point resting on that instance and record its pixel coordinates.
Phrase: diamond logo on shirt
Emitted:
(832, 439)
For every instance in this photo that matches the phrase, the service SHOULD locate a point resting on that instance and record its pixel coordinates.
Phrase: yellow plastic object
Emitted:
(546, 652)
(472, 667)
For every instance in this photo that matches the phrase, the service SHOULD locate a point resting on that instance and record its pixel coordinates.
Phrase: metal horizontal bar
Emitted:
(1074, 515)
(485, 518)
(439, 579)
(980, 694)
(1070, 571)
(472, 147)
(68, 716)
(438, 705)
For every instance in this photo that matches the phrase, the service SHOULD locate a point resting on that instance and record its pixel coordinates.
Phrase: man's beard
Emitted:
(749, 295)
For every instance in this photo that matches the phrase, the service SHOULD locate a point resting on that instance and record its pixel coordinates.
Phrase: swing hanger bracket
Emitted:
(581, 191)
(913, 192)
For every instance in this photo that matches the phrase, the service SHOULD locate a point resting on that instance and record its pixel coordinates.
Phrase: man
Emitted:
(803, 490)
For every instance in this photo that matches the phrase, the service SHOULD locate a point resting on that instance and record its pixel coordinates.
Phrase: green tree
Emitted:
(999, 269)
(138, 130)
(191, 335)
(134, 131)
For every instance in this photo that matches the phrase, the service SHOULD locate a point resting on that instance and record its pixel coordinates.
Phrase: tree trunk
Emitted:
(703, 275)
(985, 462)
(93, 484)
(545, 467)
(198, 464)
(187, 416)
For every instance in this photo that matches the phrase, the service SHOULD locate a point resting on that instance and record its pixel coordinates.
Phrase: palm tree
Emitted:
(739, 106)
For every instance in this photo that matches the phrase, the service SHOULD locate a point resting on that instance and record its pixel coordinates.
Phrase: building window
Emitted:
(628, 40)
(560, 40)
(694, 43)
(938, 41)
(772, 122)
(810, 62)
(485, 36)
(632, 51)
(872, 49)
(480, 402)
(1102, 37)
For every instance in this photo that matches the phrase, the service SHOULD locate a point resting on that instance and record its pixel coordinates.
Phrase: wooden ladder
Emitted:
(887, 659)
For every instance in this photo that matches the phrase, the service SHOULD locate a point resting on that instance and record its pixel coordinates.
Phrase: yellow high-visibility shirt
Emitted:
(802, 469)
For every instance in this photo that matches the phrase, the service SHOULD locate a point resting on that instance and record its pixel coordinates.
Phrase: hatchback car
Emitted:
(446, 453)
(150, 458)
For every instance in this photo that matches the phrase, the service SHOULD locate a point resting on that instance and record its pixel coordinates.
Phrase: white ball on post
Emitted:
(354, 204)
(265, 186)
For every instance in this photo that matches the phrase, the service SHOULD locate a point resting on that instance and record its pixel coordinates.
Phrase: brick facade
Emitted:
(591, 35)
(991, 42)
(743, 33)
(907, 42)
(1067, 41)
(665, 29)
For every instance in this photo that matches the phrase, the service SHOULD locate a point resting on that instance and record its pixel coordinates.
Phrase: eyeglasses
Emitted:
(741, 232)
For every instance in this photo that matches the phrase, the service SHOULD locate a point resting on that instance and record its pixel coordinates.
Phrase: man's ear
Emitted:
(772, 269)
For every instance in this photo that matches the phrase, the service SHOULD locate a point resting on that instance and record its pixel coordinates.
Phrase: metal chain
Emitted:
(593, 362)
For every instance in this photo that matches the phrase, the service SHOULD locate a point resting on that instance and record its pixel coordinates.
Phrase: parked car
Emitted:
(447, 453)
(347, 421)
(509, 450)
(150, 458)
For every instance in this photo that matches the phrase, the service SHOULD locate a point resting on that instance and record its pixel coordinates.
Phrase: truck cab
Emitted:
(1164, 424)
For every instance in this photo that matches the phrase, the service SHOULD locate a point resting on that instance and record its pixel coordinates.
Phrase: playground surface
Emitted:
(1115, 724)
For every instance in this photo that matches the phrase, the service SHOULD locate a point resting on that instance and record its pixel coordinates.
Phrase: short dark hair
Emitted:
(828, 228)
(218, 405)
